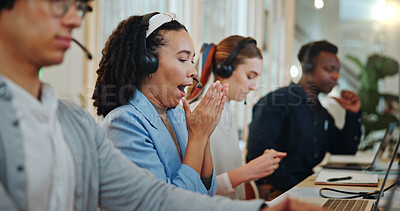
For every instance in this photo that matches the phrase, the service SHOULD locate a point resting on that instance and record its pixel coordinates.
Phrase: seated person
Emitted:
(53, 155)
(246, 63)
(141, 116)
(292, 120)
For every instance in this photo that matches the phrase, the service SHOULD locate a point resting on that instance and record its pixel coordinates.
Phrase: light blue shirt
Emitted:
(138, 131)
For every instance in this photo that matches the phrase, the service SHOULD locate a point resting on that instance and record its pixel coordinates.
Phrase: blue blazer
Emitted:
(138, 131)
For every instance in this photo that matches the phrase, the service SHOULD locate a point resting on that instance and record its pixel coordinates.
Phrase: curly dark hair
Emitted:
(118, 76)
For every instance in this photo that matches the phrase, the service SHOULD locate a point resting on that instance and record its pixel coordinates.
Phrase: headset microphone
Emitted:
(88, 54)
(199, 85)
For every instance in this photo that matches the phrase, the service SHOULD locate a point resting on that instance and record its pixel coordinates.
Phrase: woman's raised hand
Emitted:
(265, 164)
(205, 117)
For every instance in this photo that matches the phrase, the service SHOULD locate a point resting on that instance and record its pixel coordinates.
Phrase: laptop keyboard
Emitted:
(346, 204)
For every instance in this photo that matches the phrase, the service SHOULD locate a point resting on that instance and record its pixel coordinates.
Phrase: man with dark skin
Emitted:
(292, 120)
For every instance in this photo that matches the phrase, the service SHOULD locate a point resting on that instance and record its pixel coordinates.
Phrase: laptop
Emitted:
(389, 203)
(355, 204)
(366, 166)
(387, 175)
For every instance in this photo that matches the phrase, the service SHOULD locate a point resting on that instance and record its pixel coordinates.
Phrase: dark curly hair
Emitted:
(118, 76)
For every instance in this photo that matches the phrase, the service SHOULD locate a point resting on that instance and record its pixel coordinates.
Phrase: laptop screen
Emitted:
(386, 175)
(382, 146)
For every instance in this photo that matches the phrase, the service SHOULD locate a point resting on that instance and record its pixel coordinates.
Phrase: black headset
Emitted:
(145, 61)
(306, 64)
(225, 69)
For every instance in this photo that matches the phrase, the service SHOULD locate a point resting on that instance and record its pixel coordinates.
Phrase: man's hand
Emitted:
(349, 101)
(293, 205)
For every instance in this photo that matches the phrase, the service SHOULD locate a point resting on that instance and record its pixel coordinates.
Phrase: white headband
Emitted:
(158, 20)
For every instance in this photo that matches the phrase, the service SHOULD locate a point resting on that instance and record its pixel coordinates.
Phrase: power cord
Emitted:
(365, 195)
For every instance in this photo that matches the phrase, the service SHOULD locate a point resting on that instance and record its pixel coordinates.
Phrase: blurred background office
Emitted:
(360, 28)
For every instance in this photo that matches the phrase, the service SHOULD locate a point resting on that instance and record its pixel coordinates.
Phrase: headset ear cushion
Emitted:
(223, 70)
(307, 67)
(148, 63)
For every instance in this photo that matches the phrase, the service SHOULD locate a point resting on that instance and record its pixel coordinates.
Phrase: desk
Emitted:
(307, 189)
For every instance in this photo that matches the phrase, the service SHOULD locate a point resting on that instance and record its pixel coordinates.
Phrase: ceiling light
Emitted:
(318, 4)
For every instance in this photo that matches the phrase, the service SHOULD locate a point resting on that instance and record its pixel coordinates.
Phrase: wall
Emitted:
(354, 27)
(67, 78)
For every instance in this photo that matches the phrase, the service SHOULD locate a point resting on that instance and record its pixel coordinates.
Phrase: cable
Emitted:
(365, 195)
(355, 194)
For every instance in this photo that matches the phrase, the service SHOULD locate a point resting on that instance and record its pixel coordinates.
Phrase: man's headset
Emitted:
(225, 69)
(306, 63)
